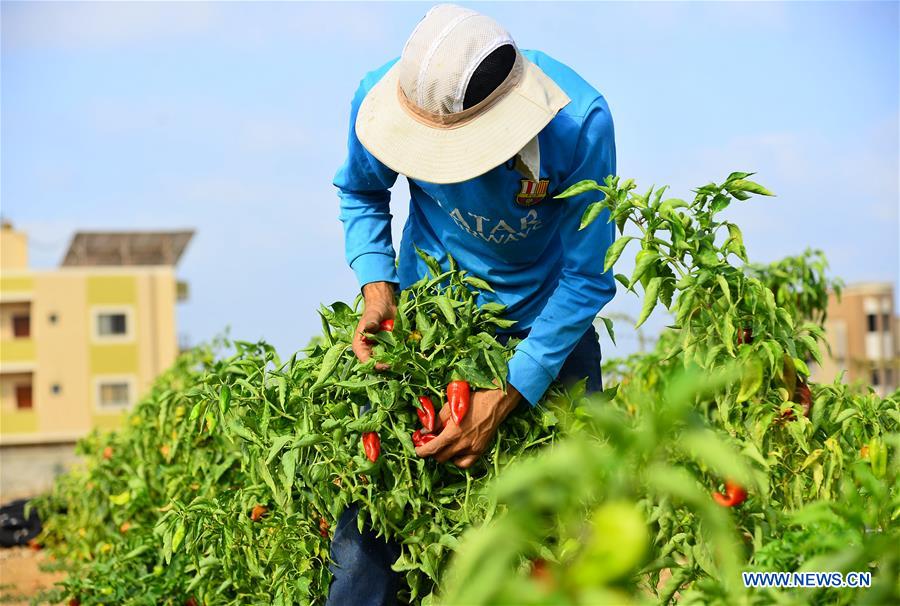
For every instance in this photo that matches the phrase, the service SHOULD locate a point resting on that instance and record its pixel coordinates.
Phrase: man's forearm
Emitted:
(379, 292)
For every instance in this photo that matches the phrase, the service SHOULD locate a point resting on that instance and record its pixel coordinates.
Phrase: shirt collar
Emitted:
(528, 160)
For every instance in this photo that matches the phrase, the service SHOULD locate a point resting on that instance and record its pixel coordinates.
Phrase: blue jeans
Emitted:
(361, 562)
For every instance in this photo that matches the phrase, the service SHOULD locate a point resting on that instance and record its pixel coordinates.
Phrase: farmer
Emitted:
(486, 134)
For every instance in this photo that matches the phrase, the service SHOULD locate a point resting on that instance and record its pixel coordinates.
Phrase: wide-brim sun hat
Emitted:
(461, 100)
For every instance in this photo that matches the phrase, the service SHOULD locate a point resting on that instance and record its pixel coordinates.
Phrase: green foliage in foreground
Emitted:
(580, 501)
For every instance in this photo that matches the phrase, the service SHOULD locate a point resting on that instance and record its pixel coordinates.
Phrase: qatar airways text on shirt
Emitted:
(497, 231)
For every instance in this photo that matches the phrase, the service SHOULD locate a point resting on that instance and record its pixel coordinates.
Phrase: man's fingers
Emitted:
(465, 461)
(368, 323)
(362, 350)
(442, 418)
(451, 451)
(444, 440)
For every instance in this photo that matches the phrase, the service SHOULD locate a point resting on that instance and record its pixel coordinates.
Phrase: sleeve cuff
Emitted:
(528, 377)
(374, 267)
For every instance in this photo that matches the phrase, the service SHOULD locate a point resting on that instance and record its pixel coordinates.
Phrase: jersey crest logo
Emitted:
(532, 192)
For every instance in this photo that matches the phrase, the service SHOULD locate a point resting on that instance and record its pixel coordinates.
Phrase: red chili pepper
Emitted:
(734, 495)
(802, 396)
(257, 513)
(384, 326)
(426, 413)
(540, 571)
(372, 445)
(458, 399)
(745, 335)
(421, 439)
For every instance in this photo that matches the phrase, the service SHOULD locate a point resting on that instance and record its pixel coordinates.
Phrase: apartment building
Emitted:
(80, 343)
(864, 334)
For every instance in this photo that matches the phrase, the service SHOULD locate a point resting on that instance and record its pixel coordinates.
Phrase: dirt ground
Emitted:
(20, 575)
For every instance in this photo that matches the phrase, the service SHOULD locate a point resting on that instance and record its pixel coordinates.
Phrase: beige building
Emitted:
(79, 344)
(864, 335)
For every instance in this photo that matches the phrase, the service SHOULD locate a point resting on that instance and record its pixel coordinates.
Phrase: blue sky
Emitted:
(231, 119)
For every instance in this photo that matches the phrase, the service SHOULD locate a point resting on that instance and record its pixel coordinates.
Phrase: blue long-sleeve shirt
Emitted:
(547, 272)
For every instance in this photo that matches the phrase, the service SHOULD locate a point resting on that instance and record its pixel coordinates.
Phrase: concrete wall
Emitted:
(29, 470)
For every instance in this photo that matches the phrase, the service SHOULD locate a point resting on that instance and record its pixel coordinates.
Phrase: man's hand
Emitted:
(379, 304)
(466, 442)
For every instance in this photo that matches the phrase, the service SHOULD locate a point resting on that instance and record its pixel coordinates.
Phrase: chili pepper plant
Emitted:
(630, 507)
(308, 437)
(227, 482)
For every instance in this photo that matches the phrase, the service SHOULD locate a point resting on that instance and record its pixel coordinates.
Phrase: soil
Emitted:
(21, 577)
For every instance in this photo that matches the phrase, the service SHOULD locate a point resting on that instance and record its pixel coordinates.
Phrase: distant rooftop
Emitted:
(105, 248)
(868, 288)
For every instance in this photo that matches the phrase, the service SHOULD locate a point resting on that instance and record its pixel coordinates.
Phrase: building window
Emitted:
(876, 377)
(114, 394)
(109, 325)
(889, 378)
(872, 321)
(23, 397)
(112, 323)
(886, 322)
(21, 327)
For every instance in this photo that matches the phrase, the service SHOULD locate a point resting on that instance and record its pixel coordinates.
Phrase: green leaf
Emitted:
(277, 444)
(813, 348)
(579, 188)
(723, 284)
(591, 213)
(650, 298)
(671, 204)
(224, 399)
(429, 337)
(178, 537)
(743, 185)
(270, 482)
(478, 283)
(120, 499)
(446, 308)
(644, 259)
(609, 329)
(751, 380)
(719, 203)
(329, 362)
(801, 366)
(615, 251)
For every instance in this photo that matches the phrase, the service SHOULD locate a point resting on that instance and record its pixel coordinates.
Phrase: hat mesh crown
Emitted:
(443, 52)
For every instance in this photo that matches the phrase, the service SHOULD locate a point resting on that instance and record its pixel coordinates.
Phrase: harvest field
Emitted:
(709, 456)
